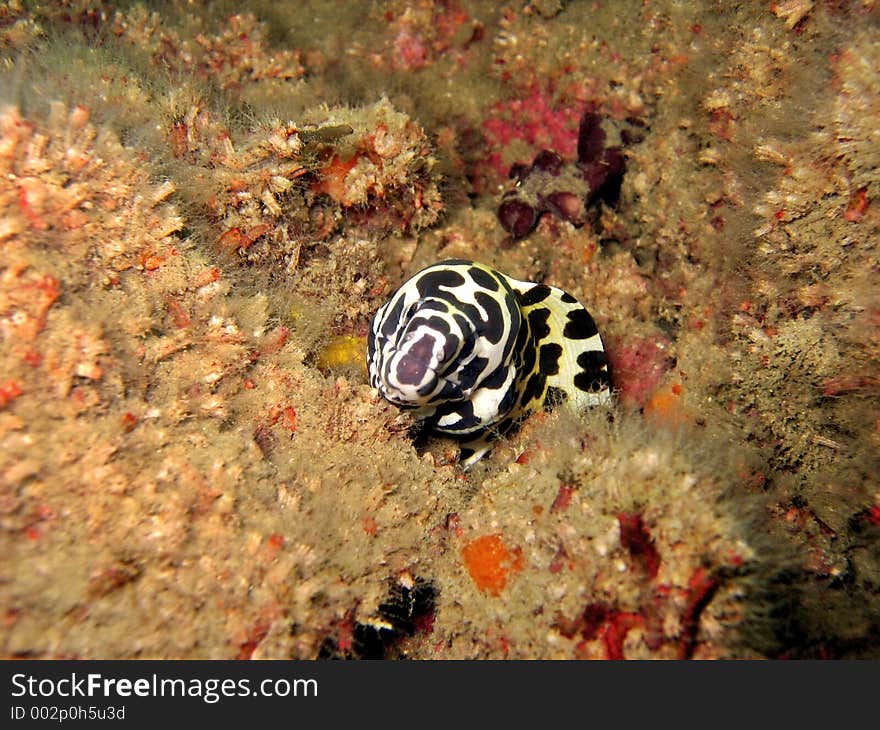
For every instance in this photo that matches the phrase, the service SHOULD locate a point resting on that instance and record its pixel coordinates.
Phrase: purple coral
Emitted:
(601, 167)
(517, 217)
(591, 138)
(549, 162)
(568, 206)
(564, 189)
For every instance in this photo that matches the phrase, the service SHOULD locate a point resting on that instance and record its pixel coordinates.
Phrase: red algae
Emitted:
(635, 538)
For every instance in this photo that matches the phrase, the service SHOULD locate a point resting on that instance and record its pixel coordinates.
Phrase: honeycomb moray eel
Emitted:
(472, 351)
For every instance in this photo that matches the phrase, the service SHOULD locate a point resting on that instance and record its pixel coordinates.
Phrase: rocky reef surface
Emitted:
(201, 210)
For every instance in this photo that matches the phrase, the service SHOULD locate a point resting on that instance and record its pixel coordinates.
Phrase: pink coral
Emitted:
(532, 119)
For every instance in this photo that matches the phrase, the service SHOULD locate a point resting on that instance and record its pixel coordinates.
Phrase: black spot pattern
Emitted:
(492, 328)
(594, 375)
(538, 323)
(465, 410)
(535, 295)
(502, 426)
(580, 325)
(466, 327)
(509, 399)
(438, 324)
(548, 362)
(392, 324)
(592, 360)
(554, 397)
(468, 374)
(450, 357)
(496, 379)
(512, 340)
(591, 383)
(484, 279)
(471, 315)
(428, 284)
(449, 391)
(534, 388)
(529, 354)
(428, 388)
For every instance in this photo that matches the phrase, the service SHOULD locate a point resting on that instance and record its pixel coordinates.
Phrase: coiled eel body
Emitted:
(472, 351)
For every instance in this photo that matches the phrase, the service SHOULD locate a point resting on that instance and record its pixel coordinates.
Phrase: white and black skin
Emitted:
(472, 351)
